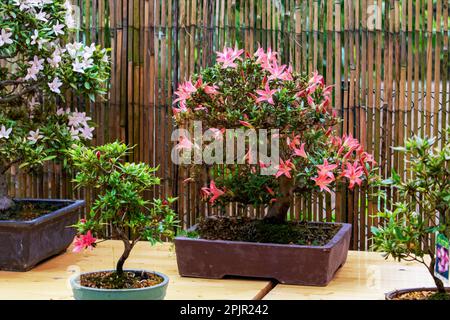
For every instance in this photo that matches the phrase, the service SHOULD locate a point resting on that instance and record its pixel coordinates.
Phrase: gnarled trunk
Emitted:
(126, 253)
(279, 209)
(5, 201)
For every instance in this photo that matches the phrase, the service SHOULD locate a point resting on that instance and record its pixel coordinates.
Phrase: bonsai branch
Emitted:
(15, 96)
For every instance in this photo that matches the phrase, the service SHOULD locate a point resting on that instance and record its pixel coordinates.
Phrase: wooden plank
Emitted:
(50, 279)
(365, 276)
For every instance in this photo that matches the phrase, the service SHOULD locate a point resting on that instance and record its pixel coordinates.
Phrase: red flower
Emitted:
(322, 181)
(284, 168)
(212, 191)
(266, 94)
(353, 173)
(227, 57)
(326, 169)
(84, 242)
(300, 151)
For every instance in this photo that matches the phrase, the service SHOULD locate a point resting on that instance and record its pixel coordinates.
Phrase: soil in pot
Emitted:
(422, 295)
(112, 280)
(26, 211)
(267, 231)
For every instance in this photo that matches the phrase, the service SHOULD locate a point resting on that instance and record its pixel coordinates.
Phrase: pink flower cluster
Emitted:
(185, 91)
(213, 193)
(351, 160)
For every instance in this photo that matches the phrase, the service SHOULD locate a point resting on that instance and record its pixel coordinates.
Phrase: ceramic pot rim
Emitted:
(75, 281)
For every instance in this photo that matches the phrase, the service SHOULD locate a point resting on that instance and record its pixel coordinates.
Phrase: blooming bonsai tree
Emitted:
(38, 65)
(120, 203)
(422, 209)
(244, 91)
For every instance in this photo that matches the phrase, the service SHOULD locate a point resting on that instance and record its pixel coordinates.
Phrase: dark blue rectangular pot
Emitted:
(23, 244)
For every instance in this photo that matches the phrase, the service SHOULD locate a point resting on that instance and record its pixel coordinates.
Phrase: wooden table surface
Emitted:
(49, 280)
(365, 276)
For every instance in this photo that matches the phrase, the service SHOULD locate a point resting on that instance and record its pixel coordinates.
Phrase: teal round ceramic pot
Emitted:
(157, 292)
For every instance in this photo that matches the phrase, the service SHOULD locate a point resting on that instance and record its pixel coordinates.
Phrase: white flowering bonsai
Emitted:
(38, 65)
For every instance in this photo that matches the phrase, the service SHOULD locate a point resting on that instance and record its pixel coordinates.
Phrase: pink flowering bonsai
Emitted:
(38, 66)
(254, 91)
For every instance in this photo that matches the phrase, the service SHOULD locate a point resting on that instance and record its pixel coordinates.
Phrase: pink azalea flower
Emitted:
(348, 143)
(182, 108)
(212, 191)
(287, 74)
(266, 94)
(284, 168)
(326, 169)
(184, 92)
(265, 59)
(227, 57)
(276, 72)
(211, 90)
(353, 173)
(322, 181)
(184, 143)
(316, 79)
(300, 151)
(86, 241)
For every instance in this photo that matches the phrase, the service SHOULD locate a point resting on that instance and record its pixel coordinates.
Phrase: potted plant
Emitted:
(120, 205)
(37, 66)
(238, 98)
(421, 210)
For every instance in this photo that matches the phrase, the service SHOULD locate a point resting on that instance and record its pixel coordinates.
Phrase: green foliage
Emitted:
(120, 202)
(423, 206)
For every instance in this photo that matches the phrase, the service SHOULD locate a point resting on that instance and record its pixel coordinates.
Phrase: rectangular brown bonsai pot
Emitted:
(23, 244)
(286, 263)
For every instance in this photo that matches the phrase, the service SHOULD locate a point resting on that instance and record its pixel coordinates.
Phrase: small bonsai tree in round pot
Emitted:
(422, 210)
(38, 66)
(238, 98)
(120, 205)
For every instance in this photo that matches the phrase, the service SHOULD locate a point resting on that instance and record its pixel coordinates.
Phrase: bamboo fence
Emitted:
(388, 61)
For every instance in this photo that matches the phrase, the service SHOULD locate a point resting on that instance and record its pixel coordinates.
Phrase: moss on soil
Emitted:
(25, 211)
(112, 280)
(267, 231)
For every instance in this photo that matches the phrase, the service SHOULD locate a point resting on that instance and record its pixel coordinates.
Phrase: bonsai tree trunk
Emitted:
(126, 253)
(5, 201)
(279, 209)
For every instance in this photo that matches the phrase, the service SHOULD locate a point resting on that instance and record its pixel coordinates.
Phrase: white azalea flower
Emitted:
(5, 37)
(34, 37)
(74, 49)
(42, 16)
(55, 85)
(55, 60)
(34, 136)
(74, 133)
(86, 132)
(78, 66)
(57, 28)
(77, 119)
(36, 66)
(89, 51)
(4, 133)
